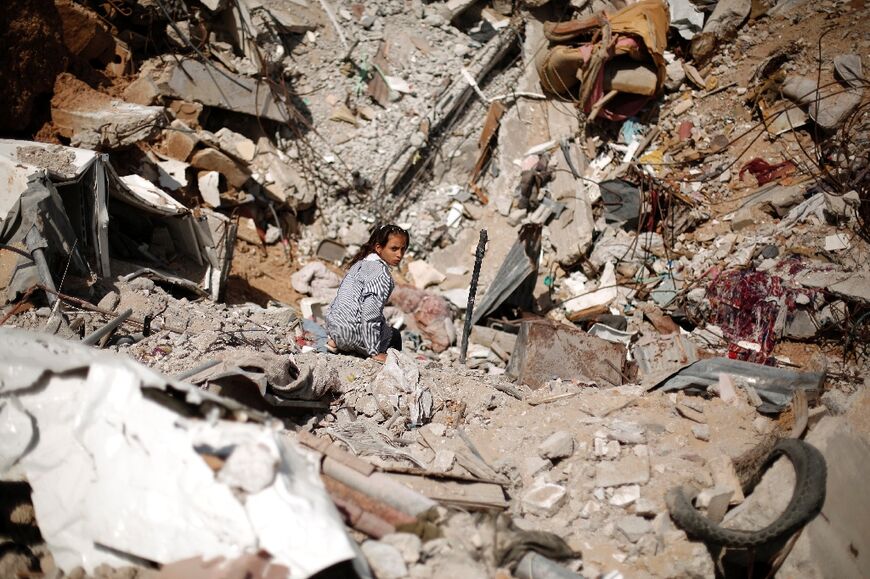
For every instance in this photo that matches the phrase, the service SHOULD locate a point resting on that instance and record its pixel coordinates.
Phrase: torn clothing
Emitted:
(356, 316)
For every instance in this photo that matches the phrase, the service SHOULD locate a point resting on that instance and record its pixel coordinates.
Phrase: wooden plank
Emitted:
(468, 495)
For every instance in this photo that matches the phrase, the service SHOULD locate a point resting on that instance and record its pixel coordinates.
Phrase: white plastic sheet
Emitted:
(117, 476)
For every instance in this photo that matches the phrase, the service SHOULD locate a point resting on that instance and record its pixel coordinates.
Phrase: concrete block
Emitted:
(544, 499)
(209, 159)
(631, 469)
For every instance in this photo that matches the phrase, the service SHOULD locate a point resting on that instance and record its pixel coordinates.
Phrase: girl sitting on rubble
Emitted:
(355, 322)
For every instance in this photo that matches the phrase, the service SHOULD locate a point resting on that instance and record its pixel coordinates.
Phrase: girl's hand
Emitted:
(380, 358)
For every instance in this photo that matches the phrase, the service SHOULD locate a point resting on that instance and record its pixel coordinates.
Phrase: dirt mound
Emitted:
(32, 53)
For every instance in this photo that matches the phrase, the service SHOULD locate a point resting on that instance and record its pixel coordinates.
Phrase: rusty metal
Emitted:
(547, 350)
(85, 305)
(364, 513)
(472, 291)
(324, 444)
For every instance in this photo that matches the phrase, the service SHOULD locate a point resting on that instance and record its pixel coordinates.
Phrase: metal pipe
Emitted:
(95, 336)
(379, 486)
(535, 566)
(196, 370)
(472, 290)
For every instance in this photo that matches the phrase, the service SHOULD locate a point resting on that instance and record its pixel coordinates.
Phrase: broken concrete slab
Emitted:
(93, 120)
(829, 109)
(631, 469)
(209, 159)
(633, 527)
(212, 86)
(545, 350)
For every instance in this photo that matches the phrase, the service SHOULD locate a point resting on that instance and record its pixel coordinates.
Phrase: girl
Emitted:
(355, 322)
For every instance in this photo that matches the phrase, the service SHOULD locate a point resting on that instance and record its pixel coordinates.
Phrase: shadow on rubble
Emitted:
(17, 522)
(239, 292)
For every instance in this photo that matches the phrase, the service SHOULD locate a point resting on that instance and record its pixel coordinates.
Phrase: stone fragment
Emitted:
(209, 159)
(647, 507)
(830, 109)
(408, 544)
(84, 34)
(624, 496)
(631, 469)
(532, 466)
(424, 274)
(725, 477)
(633, 527)
(209, 187)
(93, 120)
(385, 560)
(558, 445)
(701, 431)
(589, 507)
(109, 301)
(676, 75)
(687, 412)
(443, 461)
(192, 80)
(801, 326)
(235, 144)
(544, 499)
(626, 432)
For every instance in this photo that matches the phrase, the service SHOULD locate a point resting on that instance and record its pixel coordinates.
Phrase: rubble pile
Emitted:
(637, 285)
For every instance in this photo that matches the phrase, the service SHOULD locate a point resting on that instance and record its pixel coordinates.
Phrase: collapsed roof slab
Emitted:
(212, 86)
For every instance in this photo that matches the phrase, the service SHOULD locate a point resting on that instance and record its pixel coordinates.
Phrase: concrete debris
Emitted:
(674, 279)
(93, 120)
(557, 445)
(385, 560)
(544, 499)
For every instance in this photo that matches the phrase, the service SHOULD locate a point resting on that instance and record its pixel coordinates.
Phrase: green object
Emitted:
(549, 281)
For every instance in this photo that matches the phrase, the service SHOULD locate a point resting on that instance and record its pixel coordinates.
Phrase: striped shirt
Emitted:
(356, 316)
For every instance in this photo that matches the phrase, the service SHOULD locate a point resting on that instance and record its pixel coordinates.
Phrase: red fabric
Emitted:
(764, 172)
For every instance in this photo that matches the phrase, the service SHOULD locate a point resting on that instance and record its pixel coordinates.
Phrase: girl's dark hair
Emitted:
(379, 236)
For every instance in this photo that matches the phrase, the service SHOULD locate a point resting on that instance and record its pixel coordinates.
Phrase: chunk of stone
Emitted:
(236, 144)
(701, 431)
(624, 496)
(544, 499)
(385, 560)
(647, 507)
(179, 141)
(443, 461)
(558, 445)
(626, 432)
(408, 544)
(109, 301)
(209, 159)
(631, 469)
(633, 527)
(801, 326)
